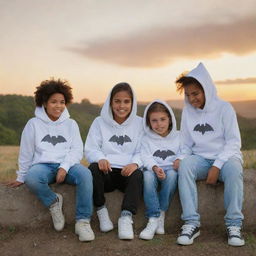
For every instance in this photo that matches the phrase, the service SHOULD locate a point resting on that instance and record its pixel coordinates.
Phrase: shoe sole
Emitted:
(191, 241)
(107, 230)
(234, 244)
(126, 237)
(146, 238)
(160, 232)
(85, 240)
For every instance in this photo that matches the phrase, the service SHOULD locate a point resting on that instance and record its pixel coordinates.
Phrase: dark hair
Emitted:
(49, 87)
(121, 87)
(158, 107)
(184, 81)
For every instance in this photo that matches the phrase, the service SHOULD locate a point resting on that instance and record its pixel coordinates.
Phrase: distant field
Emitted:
(9, 156)
(8, 162)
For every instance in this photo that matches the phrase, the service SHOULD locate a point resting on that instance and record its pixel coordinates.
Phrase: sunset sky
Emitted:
(95, 44)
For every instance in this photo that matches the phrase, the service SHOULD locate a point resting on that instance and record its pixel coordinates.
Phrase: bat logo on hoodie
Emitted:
(120, 140)
(203, 128)
(163, 153)
(53, 139)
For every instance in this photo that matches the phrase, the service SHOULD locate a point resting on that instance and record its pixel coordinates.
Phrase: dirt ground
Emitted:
(46, 241)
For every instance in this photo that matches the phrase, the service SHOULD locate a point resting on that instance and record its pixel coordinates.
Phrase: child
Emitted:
(50, 151)
(160, 146)
(112, 148)
(211, 151)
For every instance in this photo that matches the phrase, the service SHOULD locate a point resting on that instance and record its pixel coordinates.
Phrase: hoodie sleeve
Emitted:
(186, 141)
(75, 153)
(231, 136)
(146, 155)
(27, 149)
(93, 143)
(137, 154)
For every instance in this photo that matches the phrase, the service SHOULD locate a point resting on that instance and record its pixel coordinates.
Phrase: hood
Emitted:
(41, 114)
(152, 134)
(201, 74)
(106, 112)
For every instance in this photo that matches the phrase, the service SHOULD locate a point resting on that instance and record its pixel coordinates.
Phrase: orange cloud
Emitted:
(249, 80)
(160, 46)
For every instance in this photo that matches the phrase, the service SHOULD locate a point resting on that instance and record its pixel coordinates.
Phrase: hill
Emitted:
(16, 110)
(243, 108)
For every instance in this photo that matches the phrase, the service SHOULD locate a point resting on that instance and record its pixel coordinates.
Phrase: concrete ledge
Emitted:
(19, 207)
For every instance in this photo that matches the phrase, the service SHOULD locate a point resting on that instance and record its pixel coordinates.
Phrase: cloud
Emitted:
(160, 46)
(249, 80)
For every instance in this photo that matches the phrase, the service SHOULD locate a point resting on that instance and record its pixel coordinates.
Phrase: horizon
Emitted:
(96, 45)
(139, 101)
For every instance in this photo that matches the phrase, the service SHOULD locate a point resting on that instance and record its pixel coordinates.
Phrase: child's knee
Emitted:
(32, 180)
(149, 178)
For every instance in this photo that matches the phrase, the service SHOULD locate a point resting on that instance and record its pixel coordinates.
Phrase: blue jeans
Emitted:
(39, 177)
(194, 168)
(158, 201)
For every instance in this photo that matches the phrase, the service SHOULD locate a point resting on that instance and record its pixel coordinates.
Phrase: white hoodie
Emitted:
(47, 141)
(158, 150)
(221, 140)
(118, 143)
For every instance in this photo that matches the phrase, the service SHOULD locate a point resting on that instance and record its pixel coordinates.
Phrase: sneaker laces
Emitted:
(161, 220)
(126, 222)
(56, 212)
(84, 225)
(234, 231)
(150, 225)
(103, 215)
(187, 229)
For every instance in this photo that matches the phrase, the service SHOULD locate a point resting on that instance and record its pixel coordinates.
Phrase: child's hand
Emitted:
(159, 172)
(61, 175)
(129, 169)
(14, 184)
(176, 164)
(104, 165)
(213, 175)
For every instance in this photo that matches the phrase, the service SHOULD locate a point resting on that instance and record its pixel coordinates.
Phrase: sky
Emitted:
(148, 43)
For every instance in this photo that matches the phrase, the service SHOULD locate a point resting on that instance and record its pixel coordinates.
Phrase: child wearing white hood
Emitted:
(210, 150)
(50, 151)
(159, 153)
(112, 148)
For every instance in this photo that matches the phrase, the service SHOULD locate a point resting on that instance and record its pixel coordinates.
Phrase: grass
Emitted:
(9, 159)
(8, 162)
(249, 159)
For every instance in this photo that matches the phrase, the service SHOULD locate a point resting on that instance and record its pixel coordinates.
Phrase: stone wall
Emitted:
(19, 207)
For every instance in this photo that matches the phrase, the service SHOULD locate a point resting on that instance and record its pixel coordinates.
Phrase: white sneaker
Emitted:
(57, 215)
(125, 230)
(148, 232)
(160, 228)
(188, 234)
(105, 222)
(234, 236)
(84, 231)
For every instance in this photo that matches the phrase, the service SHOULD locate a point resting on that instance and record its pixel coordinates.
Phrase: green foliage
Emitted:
(16, 110)
(7, 136)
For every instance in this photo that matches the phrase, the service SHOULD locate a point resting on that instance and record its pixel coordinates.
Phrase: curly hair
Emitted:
(183, 81)
(49, 87)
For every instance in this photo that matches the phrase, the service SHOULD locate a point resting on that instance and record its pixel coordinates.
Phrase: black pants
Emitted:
(131, 186)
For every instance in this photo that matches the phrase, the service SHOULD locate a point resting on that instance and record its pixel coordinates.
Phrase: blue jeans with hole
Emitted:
(155, 200)
(39, 177)
(194, 168)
